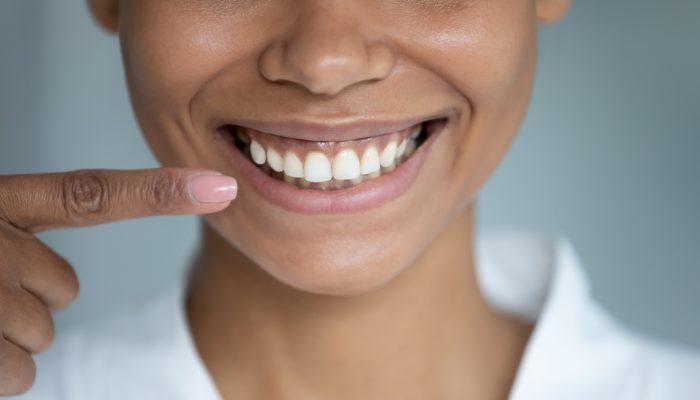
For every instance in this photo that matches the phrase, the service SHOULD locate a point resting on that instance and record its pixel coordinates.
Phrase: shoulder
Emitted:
(666, 370)
(578, 350)
(140, 351)
(607, 359)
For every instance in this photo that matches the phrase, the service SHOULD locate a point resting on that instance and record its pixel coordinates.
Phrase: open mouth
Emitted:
(329, 165)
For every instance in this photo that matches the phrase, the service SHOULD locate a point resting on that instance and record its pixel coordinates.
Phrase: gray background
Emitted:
(607, 156)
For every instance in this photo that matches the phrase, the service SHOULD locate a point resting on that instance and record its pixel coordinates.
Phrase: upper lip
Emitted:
(338, 130)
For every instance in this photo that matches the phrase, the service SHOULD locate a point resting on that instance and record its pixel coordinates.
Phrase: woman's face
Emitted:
(319, 86)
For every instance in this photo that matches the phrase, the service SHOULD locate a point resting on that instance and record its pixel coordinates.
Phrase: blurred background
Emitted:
(608, 155)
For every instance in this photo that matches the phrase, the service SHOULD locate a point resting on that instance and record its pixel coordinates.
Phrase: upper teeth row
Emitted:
(346, 165)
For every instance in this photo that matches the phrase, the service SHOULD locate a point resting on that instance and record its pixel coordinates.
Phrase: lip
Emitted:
(318, 131)
(357, 199)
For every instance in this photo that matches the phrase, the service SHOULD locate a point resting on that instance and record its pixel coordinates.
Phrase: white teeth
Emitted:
(292, 166)
(257, 152)
(401, 149)
(343, 170)
(415, 132)
(370, 161)
(317, 168)
(388, 155)
(410, 147)
(346, 165)
(275, 160)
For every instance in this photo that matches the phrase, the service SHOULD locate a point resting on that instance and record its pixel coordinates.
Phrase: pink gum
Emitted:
(302, 147)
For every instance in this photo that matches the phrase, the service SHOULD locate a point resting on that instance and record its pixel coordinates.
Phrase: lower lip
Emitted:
(363, 197)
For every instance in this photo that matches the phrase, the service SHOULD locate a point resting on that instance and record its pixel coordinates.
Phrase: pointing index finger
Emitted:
(38, 202)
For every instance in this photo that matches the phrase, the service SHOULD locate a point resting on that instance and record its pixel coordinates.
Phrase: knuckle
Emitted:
(67, 286)
(17, 371)
(72, 288)
(27, 376)
(164, 189)
(45, 335)
(33, 324)
(85, 193)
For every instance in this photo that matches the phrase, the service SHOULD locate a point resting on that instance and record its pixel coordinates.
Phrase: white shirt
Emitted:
(576, 352)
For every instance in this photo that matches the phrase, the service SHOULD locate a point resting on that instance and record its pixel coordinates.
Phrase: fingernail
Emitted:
(213, 188)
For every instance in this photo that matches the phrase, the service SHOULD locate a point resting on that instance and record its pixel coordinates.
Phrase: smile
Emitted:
(328, 165)
(364, 170)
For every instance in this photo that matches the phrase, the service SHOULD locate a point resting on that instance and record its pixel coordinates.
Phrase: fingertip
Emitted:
(213, 208)
(212, 189)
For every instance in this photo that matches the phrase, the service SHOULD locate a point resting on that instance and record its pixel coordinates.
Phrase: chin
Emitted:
(333, 277)
(341, 264)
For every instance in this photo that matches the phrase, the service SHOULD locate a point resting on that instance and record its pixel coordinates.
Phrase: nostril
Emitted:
(270, 63)
(381, 60)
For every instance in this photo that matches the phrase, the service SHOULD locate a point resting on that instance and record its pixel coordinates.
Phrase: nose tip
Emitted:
(326, 64)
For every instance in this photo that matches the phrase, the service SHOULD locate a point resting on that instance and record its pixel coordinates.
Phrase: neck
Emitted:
(426, 334)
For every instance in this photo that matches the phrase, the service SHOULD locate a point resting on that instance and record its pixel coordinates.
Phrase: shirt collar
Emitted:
(529, 275)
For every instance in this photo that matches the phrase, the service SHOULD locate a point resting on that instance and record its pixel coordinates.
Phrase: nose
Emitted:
(326, 53)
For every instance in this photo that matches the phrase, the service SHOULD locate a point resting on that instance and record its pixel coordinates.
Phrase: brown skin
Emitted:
(35, 281)
(284, 305)
(374, 305)
(266, 60)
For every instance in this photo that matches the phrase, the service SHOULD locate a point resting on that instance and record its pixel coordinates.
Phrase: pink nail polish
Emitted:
(213, 188)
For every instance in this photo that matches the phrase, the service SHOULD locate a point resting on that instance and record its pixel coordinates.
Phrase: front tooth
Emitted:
(257, 152)
(292, 166)
(388, 155)
(370, 161)
(415, 132)
(317, 168)
(275, 160)
(401, 149)
(346, 165)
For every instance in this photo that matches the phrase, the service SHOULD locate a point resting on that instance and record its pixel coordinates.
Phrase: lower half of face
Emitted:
(356, 131)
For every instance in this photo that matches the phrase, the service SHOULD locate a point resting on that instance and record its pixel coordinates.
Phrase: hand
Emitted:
(35, 281)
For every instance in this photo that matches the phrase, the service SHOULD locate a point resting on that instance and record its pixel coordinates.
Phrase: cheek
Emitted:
(169, 55)
(489, 59)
